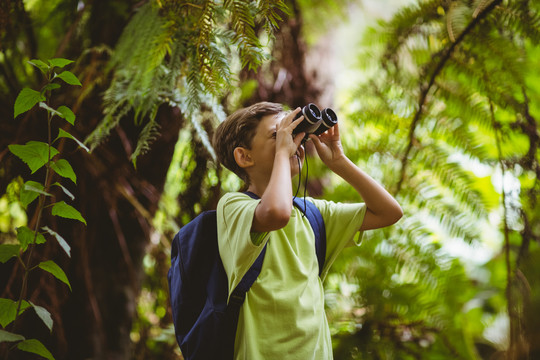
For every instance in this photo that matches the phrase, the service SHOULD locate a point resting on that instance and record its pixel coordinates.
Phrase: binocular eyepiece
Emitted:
(315, 121)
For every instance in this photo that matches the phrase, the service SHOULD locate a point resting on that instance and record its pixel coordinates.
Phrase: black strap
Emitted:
(317, 224)
(232, 312)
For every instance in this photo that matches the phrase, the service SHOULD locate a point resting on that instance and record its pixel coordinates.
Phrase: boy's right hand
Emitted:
(285, 141)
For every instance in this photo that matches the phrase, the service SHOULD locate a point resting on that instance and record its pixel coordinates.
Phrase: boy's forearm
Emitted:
(382, 208)
(274, 210)
(279, 189)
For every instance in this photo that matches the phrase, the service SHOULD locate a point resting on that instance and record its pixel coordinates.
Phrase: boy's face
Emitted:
(263, 147)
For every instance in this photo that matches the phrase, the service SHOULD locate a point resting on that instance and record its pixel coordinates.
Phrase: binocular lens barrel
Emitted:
(313, 112)
(329, 119)
(315, 121)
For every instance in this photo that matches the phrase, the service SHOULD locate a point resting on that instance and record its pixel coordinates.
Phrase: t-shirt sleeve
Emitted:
(342, 222)
(238, 246)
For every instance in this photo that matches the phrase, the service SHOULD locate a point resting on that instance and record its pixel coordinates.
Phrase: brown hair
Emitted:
(238, 130)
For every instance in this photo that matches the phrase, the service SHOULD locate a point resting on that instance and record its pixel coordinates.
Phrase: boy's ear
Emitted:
(242, 156)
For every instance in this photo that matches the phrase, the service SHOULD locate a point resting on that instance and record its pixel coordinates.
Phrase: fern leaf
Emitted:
(249, 46)
(457, 18)
(268, 11)
(481, 5)
(147, 136)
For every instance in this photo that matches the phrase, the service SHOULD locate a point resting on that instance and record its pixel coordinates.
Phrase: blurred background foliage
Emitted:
(437, 100)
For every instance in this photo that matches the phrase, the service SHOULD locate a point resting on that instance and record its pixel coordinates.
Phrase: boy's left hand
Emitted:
(328, 146)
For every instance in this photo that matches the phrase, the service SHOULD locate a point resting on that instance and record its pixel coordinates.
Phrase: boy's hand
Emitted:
(328, 146)
(284, 134)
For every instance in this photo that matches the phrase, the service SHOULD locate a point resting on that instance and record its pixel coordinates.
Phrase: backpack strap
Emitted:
(319, 230)
(317, 224)
(238, 296)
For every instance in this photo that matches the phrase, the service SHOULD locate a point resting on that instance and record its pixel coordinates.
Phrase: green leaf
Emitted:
(8, 308)
(62, 133)
(69, 78)
(26, 237)
(68, 114)
(7, 251)
(59, 62)
(30, 191)
(60, 240)
(50, 86)
(36, 347)
(67, 211)
(34, 153)
(51, 267)
(26, 100)
(50, 109)
(63, 168)
(40, 65)
(66, 191)
(6, 336)
(44, 315)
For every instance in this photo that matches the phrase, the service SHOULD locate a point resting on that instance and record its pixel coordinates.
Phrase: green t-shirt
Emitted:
(283, 315)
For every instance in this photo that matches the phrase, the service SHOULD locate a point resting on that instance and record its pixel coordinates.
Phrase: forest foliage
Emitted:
(446, 117)
(449, 122)
(38, 155)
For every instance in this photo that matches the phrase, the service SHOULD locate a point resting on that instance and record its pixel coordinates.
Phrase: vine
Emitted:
(36, 155)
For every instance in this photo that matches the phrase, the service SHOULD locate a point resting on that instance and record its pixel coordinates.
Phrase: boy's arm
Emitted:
(275, 207)
(382, 209)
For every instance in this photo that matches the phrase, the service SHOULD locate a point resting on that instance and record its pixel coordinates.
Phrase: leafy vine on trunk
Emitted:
(37, 155)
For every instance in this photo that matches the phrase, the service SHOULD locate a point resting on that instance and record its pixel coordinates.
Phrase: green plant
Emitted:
(183, 55)
(450, 115)
(36, 155)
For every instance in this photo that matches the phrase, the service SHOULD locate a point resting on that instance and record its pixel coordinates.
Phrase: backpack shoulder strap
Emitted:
(316, 221)
(238, 296)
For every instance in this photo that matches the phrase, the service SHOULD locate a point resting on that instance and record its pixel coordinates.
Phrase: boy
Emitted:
(283, 314)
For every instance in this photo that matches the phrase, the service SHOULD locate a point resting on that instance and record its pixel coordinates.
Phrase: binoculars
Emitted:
(315, 121)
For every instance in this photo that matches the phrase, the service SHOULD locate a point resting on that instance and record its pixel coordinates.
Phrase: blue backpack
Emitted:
(205, 325)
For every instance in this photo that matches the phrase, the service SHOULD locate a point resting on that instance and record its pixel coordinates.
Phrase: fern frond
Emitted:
(139, 39)
(445, 173)
(243, 20)
(195, 116)
(435, 207)
(405, 24)
(522, 20)
(268, 12)
(194, 84)
(112, 117)
(203, 135)
(479, 6)
(477, 79)
(462, 103)
(171, 45)
(457, 19)
(162, 45)
(148, 135)
(140, 47)
(213, 64)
